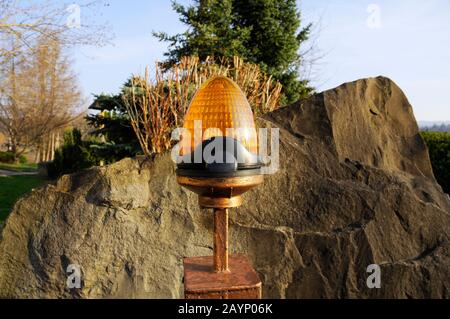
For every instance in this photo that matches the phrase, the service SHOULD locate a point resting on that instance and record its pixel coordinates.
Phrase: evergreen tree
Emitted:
(72, 156)
(112, 125)
(212, 32)
(265, 32)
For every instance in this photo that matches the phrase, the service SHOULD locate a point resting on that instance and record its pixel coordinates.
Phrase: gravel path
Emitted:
(4, 173)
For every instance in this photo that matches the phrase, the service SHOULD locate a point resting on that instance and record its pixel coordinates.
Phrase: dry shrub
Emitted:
(157, 106)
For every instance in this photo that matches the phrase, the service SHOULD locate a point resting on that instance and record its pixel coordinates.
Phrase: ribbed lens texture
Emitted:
(223, 110)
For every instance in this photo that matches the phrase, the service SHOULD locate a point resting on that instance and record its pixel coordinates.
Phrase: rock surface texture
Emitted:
(354, 188)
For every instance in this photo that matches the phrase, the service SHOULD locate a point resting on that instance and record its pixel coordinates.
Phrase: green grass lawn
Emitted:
(13, 187)
(19, 167)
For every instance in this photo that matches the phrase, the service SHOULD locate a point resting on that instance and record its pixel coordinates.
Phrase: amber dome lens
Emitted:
(219, 108)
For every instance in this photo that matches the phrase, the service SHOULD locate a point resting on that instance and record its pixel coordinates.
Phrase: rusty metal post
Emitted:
(220, 276)
(220, 239)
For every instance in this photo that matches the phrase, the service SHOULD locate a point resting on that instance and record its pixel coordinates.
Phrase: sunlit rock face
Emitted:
(354, 188)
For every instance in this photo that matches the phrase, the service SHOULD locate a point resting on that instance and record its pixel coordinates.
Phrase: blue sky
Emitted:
(406, 40)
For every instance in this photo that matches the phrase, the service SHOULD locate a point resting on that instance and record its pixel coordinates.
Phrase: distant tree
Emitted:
(439, 149)
(437, 128)
(265, 32)
(38, 94)
(23, 23)
(37, 89)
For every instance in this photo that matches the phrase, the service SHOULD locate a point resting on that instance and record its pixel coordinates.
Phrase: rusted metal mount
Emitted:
(220, 240)
(220, 276)
(200, 282)
(220, 194)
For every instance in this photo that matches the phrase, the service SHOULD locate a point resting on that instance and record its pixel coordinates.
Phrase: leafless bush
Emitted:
(157, 106)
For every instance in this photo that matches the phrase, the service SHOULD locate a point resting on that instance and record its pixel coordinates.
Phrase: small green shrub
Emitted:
(7, 157)
(23, 159)
(73, 156)
(439, 149)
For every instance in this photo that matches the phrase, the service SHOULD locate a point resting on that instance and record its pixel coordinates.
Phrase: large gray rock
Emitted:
(355, 188)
